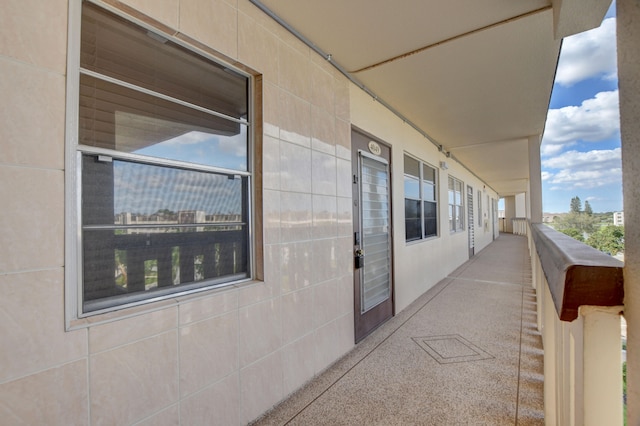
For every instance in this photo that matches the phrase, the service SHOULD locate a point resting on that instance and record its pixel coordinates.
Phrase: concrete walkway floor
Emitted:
(467, 352)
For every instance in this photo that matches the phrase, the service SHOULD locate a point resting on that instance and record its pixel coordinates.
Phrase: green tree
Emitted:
(573, 233)
(576, 205)
(608, 239)
(587, 208)
(582, 222)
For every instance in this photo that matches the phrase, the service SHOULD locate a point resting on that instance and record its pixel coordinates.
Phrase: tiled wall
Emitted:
(222, 357)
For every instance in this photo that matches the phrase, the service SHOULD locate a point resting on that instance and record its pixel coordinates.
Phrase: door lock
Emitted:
(359, 258)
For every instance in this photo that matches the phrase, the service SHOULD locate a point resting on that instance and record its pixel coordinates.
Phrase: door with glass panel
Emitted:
(372, 234)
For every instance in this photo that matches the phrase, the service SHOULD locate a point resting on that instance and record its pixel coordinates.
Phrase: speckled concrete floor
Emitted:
(467, 352)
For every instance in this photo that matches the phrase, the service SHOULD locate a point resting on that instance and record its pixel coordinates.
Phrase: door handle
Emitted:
(358, 258)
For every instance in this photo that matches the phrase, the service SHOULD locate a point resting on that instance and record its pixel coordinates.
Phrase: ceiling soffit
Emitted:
(463, 73)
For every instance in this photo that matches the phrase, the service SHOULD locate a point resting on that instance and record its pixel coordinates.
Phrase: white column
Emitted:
(552, 378)
(535, 180)
(602, 366)
(628, 33)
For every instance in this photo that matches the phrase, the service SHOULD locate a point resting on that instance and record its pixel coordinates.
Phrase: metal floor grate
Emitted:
(451, 348)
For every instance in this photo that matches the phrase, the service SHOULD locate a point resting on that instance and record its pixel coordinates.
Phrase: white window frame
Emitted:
(422, 200)
(456, 210)
(73, 226)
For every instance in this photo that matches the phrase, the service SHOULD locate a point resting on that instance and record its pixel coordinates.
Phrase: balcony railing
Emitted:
(580, 296)
(520, 225)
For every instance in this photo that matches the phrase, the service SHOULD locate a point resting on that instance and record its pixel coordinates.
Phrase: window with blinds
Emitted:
(456, 205)
(420, 200)
(164, 166)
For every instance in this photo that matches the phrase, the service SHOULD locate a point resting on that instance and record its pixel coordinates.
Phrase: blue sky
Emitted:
(580, 149)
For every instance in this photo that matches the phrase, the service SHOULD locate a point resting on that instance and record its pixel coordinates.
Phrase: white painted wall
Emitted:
(441, 254)
(521, 205)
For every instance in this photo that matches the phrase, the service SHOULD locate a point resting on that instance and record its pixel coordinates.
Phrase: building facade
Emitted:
(195, 203)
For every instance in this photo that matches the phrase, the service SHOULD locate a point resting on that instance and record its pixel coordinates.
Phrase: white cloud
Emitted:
(583, 170)
(594, 160)
(588, 54)
(596, 119)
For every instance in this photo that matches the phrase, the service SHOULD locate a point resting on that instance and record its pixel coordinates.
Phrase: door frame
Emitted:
(362, 330)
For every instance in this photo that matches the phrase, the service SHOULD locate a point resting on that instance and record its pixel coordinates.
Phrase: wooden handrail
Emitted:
(577, 274)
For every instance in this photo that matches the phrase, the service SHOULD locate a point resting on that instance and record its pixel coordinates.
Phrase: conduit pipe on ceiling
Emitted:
(358, 83)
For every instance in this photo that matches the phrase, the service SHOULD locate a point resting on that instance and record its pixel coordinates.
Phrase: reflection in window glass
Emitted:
(421, 219)
(456, 215)
(158, 227)
(163, 146)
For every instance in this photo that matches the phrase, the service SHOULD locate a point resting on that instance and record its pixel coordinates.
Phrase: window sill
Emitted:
(422, 240)
(170, 302)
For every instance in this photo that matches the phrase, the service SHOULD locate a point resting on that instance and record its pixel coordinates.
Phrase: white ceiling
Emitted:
(475, 75)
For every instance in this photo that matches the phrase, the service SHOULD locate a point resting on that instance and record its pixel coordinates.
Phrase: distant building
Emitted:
(618, 218)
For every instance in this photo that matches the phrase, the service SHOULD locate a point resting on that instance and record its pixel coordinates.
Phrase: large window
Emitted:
(420, 200)
(456, 210)
(163, 167)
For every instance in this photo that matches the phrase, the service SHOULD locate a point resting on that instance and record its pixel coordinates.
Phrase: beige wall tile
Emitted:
(323, 173)
(342, 98)
(116, 333)
(52, 397)
(294, 119)
(344, 179)
(298, 365)
(325, 302)
(32, 129)
(295, 168)
(346, 334)
(260, 387)
(271, 109)
(325, 260)
(343, 139)
(257, 47)
(167, 417)
(271, 216)
(345, 295)
(272, 265)
(208, 352)
(218, 404)
(296, 216)
(325, 216)
(260, 17)
(200, 308)
(296, 261)
(165, 11)
(271, 163)
(322, 88)
(323, 131)
(325, 339)
(257, 292)
(212, 22)
(32, 324)
(297, 318)
(35, 32)
(295, 69)
(32, 218)
(260, 330)
(345, 216)
(344, 255)
(132, 382)
(292, 41)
